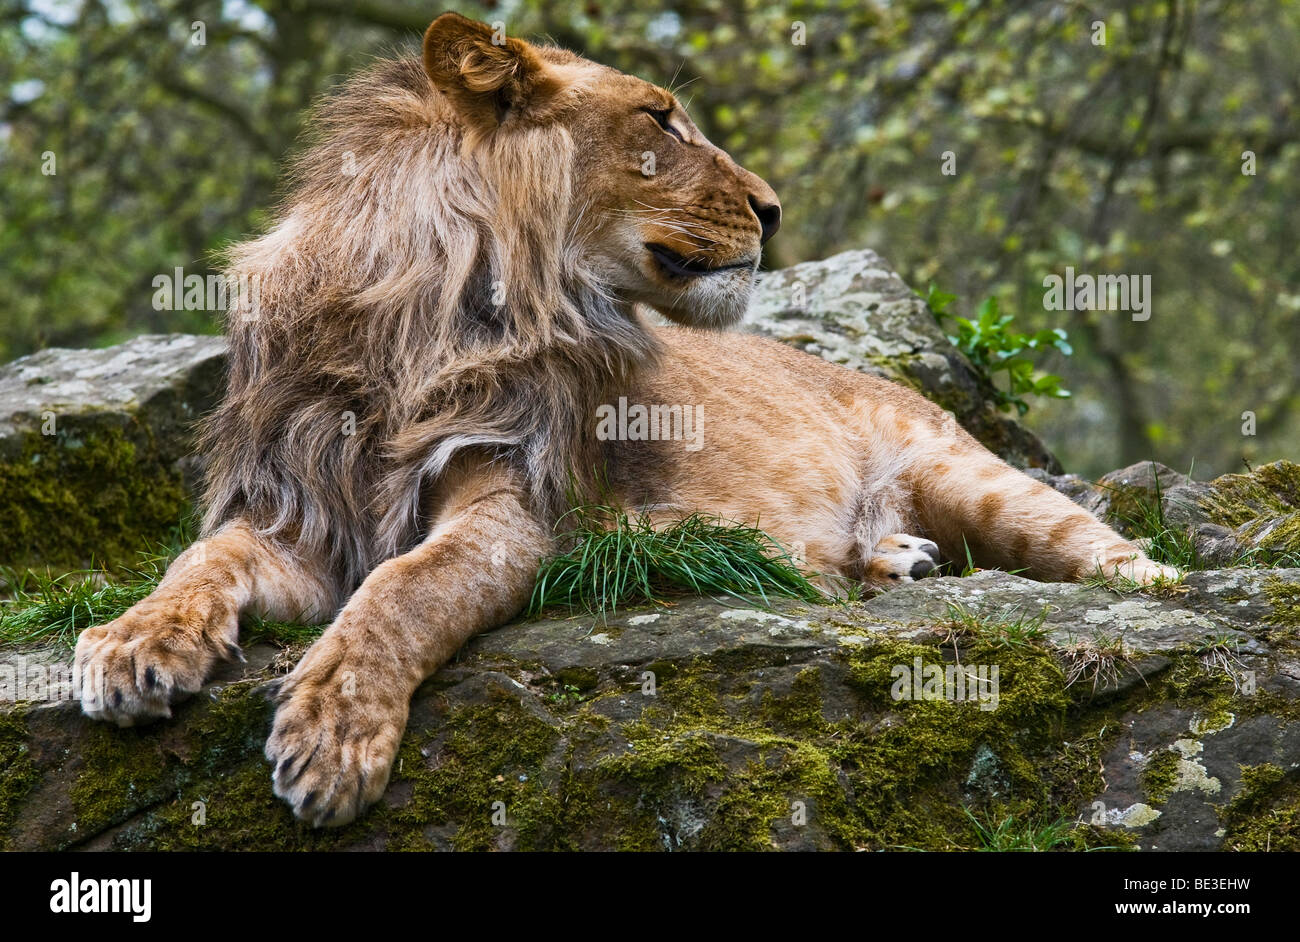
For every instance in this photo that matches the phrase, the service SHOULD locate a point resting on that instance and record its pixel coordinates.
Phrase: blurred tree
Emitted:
(1108, 139)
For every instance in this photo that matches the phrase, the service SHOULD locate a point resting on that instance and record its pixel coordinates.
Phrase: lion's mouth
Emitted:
(674, 263)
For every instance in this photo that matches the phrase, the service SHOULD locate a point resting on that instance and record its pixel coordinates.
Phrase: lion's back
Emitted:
(776, 375)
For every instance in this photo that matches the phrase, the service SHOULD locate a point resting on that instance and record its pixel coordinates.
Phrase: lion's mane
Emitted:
(414, 298)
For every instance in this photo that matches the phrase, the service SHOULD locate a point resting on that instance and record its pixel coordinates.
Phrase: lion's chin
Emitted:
(713, 302)
(714, 321)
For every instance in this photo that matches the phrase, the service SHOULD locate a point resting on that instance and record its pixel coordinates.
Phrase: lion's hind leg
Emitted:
(971, 502)
(133, 668)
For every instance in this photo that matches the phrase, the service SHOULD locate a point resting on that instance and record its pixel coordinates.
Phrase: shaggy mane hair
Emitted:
(415, 298)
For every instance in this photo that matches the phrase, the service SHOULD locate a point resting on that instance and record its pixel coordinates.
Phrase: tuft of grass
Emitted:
(47, 608)
(617, 559)
(1219, 652)
(1009, 628)
(1160, 587)
(44, 608)
(1162, 542)
(1259, 557)
(1098, 658)
(1012, 835)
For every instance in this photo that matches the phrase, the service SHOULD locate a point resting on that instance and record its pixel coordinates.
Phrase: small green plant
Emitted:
(994, 346)
(616, 559)
(567, 695)
(1163, 542)
(1012, 835)
(1008, 628)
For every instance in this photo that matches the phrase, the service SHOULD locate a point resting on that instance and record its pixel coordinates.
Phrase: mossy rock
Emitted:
(1253, 517)
(95, 446)
(710, 726)
(1263, 506)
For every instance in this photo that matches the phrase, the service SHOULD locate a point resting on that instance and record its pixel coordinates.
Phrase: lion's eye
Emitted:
(661, 118)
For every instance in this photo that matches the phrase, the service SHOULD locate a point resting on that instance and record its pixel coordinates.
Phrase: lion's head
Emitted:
(662, 215)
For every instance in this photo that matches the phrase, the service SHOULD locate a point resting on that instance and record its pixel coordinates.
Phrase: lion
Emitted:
(459, 280)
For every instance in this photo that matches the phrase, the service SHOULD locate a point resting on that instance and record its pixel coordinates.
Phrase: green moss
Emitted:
(20, 776)
(1077, 770)
(1191, 684)
(1089, 837)
(1284, 603)
(719, 758)
(217, 790)
(1265, 504)
(124, 770)
(1257, 780)
(236, 811)
(909, 778)
(98, 494)
(1188, 683)
(581, 679)
(719, 790)
(120, 770)
(481, 755)
(700, 767)
(801, 710)
(1159, 777)
(1265, 814)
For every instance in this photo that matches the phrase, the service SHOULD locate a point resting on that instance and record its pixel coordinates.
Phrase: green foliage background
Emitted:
(1124, 157)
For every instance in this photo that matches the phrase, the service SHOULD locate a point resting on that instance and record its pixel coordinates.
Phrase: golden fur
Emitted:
(449, 298)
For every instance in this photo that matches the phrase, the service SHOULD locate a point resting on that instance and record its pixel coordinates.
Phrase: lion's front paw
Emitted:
(332, 745)
(132, 669)
(901, 558)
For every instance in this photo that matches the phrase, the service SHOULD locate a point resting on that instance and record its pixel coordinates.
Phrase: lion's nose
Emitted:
(769, 216)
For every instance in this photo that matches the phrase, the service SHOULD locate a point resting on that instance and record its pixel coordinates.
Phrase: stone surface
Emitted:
(711, 724)
(94, 447)
(1250, 516)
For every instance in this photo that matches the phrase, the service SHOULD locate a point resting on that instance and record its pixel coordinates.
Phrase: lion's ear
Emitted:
(485, 73)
